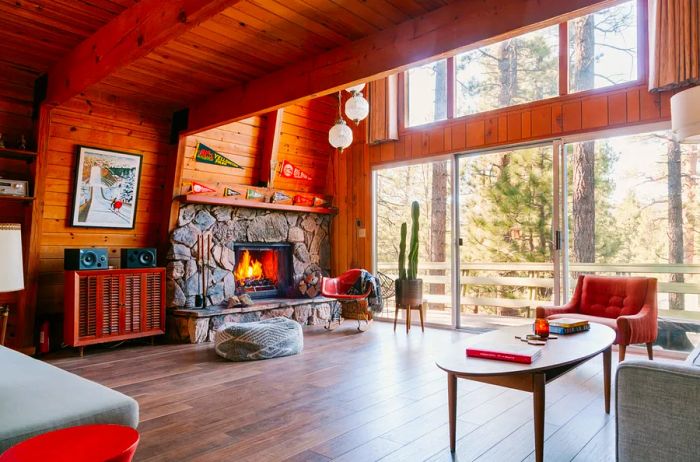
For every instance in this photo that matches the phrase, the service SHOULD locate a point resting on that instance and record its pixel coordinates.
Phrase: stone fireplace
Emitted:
(259, 252)
(263, 270)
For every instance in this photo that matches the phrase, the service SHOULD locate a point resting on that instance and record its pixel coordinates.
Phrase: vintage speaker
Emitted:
(85, 259)
(139, 258)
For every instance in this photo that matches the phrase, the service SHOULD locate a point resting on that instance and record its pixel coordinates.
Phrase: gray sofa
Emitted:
(658, 417)
(36, 397)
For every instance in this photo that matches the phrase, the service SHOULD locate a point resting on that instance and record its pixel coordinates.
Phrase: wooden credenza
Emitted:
(113, 305)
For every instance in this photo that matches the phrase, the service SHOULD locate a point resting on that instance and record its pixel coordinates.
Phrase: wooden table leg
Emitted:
(538, 381)
(408, 318)
(396, 316)
(452, 407)
(607, 370)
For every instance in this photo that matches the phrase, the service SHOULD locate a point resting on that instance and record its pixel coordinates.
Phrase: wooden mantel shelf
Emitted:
(213, 200)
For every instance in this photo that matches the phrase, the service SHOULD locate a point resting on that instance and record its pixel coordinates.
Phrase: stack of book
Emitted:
(565, 326)
(517, 353)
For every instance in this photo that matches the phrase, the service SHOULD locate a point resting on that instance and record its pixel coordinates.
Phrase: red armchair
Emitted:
(626, 304)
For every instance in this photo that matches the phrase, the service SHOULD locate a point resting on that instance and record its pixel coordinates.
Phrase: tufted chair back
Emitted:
(611, 297)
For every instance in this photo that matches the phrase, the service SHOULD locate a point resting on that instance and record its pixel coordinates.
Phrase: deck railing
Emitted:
(517, 288)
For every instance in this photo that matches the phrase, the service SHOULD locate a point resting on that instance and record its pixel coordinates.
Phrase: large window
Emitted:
(603, 48)
(515, 71)
(601, 51)
(427, 93)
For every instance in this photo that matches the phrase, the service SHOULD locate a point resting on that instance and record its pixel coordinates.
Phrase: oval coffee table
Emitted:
(558, 357)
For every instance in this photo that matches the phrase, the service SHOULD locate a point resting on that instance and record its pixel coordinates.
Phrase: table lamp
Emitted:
(11, 270)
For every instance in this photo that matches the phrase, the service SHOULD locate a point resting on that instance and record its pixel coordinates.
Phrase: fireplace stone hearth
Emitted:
(308, 235)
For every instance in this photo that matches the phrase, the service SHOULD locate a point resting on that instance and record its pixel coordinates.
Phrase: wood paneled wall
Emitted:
(106, 122)
(303, 141)
(240, 141)
(568, 115)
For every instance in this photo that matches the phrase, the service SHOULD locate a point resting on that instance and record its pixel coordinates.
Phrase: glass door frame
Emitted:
(557, 225)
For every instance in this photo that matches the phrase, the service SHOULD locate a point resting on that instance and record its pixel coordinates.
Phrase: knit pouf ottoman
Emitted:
(270, 338)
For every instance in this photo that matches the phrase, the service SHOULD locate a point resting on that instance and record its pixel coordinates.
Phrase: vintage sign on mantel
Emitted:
(291, 171)
(207, 155)
(280, 198)
(199, 188)
(230, 192)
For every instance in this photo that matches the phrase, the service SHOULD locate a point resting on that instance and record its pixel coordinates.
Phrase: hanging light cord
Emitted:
(340, 103)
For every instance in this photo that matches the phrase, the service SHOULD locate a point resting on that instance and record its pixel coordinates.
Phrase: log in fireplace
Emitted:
(263, 270)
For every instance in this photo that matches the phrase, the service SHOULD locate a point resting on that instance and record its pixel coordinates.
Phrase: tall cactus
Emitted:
(413, 253)
(402, 252)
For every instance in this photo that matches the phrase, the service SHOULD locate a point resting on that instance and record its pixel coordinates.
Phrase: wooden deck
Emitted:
(349, 396)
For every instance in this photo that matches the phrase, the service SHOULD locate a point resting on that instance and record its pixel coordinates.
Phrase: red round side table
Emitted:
(86, 443)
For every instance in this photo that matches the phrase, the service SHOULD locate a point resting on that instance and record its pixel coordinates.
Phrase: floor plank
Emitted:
(349, 397)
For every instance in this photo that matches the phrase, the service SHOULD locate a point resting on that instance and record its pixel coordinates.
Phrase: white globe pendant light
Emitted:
(357, 108)
(340, 135)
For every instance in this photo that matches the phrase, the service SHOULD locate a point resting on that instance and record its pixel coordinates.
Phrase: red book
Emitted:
(524, 354)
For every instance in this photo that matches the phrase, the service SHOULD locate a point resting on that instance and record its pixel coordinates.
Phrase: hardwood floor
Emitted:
(349, 397)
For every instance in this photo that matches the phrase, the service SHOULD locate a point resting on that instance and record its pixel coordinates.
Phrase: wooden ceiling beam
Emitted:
(464, 24)
(131, 35)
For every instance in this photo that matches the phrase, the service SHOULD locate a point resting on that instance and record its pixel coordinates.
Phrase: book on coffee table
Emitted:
(568, 323)
(565, 326)
(517, 353)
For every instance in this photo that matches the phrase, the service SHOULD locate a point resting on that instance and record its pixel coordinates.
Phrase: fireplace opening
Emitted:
(263, 270)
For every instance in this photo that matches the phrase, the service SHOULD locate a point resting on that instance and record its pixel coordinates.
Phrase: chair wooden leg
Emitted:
(420, 311)
(396, 316)
(623, 348)
(650, 351)
(4, 314)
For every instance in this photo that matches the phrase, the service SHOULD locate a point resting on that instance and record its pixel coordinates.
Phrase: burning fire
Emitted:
(248, 268)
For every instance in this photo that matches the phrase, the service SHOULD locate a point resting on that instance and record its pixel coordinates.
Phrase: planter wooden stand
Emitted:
(408, 309)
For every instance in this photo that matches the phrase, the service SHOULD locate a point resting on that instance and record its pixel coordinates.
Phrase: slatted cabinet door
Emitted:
(109, 304)
(134, 296)
(112, 305)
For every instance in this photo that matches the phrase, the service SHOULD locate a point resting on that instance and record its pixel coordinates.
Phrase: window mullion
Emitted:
(450, 87)
(563, 58)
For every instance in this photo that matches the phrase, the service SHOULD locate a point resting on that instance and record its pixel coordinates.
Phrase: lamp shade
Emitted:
(11, 270)
(685, 115)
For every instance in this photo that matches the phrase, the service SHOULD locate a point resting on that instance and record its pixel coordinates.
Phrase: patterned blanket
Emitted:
(376, 304)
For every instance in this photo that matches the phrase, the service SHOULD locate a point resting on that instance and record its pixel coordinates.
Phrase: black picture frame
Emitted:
(105, 188)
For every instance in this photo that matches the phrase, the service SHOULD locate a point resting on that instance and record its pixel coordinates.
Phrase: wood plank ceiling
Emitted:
(251, 39)
(244, 42)
(34, 34)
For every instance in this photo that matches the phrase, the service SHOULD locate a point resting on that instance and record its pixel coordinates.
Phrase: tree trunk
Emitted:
(440, 90)
(507, 72)
(438, 225)
(691, 206)
(675, 219)
(583, 161)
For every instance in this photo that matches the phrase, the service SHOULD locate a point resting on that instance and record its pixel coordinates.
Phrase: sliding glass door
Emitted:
(507, 249)
(429, 184)
(505, 231)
